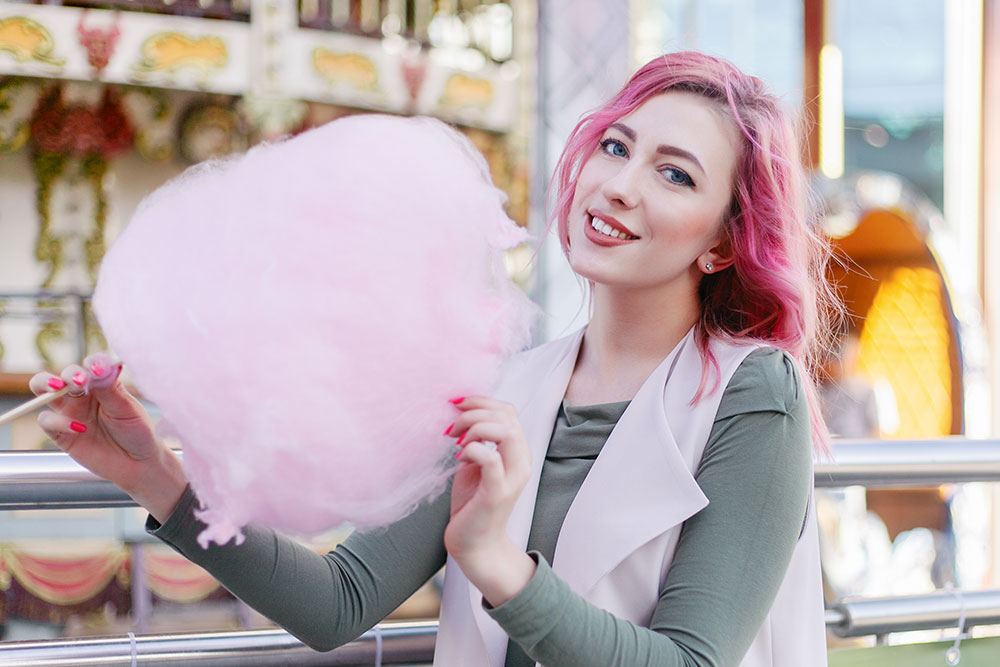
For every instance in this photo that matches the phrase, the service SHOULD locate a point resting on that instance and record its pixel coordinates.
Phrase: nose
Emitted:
(622, 188)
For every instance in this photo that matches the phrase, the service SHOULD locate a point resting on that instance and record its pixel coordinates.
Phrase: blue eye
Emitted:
(675, 175)
(614, 147)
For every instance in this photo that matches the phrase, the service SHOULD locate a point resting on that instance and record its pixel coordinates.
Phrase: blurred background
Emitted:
(102, 102)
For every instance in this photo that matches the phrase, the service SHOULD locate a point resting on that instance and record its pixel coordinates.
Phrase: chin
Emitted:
(591, 273)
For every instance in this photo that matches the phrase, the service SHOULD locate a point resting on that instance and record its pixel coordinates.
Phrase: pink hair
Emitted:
(776, 291)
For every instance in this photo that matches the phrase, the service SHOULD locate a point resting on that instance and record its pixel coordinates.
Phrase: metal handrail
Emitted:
(930, 462)
(413, 643)
(52, 480)
(40, 480)
(35, 480)
(941, 609)
(399, 644)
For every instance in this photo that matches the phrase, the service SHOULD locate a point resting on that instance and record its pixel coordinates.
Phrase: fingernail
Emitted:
(78, 427)
(458, 454)
(56, 383)
(79, 379)
(446, 431)
(462, 438)
(456, 401)
(97, 369)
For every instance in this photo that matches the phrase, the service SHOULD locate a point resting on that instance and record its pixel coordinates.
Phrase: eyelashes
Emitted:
(614, 148)
(678, 176)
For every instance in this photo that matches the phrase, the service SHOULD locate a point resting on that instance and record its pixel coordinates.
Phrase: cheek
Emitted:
(588, 182)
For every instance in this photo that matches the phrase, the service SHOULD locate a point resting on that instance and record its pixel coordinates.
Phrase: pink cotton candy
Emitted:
(301, 315)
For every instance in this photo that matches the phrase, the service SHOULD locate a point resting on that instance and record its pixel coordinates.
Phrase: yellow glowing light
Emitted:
(831, 111)
(905, 344)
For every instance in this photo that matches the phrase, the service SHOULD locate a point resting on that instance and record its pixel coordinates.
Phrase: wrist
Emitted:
(160, 485)
(499, 573)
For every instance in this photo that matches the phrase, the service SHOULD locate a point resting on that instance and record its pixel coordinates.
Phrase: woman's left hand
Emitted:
(486, 486)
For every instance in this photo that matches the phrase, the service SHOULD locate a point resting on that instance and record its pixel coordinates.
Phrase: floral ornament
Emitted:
(77, 130)
(100, 43)
(60, 133)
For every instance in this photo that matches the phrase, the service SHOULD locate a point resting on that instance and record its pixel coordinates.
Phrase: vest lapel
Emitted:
(639, 486)
(536, 393)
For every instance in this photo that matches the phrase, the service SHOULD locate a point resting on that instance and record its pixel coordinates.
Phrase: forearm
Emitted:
(324, 600)
(558, 628)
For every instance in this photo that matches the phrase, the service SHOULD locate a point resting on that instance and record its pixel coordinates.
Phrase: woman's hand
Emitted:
(486, 486)
(106, 430)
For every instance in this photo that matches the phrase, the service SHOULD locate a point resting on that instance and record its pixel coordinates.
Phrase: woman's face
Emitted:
(649, 202)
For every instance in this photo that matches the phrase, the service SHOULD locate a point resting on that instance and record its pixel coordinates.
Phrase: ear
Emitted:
(716, 258)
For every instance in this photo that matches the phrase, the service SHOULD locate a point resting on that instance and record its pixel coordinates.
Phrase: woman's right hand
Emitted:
(105, 429)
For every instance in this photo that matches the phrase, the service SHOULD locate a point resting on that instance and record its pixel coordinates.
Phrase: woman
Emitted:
(660, 459)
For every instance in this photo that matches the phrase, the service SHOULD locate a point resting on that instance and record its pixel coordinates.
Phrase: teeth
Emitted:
(608, 230)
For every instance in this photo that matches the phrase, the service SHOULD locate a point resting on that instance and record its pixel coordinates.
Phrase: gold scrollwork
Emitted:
(353, 69)
(14, 140)
(49, 334)
(95, 168)
(49, 248)
(92, 335)
(147, 144)
(461, 90)
(169, 52)
(28, 40)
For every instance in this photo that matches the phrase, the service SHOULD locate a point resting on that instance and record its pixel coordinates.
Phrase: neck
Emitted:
(630, 327)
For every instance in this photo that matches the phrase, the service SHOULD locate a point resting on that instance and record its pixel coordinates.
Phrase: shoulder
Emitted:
(551, 352)
(763, 418)
(766, 381)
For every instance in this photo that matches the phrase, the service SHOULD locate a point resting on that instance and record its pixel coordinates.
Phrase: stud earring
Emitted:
(708, 267)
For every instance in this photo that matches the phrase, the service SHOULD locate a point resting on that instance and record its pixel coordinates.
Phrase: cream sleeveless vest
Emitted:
(645, 472)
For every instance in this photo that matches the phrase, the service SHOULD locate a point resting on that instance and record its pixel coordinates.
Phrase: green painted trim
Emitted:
(983, 652)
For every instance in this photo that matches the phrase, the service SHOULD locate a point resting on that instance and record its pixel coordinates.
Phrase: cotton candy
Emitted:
(301, 315)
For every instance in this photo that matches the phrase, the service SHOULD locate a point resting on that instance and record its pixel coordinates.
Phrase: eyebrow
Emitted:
(662, 149)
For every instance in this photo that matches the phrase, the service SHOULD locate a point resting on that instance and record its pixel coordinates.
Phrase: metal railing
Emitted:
(52, 480)
(413, 643)
(32, 480)
(888, 463)
(35, 480)
(942, 609)
(398, 644)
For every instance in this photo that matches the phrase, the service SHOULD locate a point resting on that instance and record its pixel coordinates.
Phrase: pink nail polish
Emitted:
(456, 401)
(458, 454)
(56, 383)
(79, 379)
(97, 369)
(78, 427)
(462, 438)
(448, 430)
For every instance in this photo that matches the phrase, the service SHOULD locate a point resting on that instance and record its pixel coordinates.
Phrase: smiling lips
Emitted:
(605, 230)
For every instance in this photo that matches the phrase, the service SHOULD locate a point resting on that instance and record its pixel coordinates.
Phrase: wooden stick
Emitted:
(32, 405)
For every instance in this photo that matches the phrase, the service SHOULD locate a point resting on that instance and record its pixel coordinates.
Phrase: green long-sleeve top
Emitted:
(728, 565)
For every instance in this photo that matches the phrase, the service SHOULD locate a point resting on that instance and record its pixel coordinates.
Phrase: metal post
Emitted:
(142, 597)
(582, 61)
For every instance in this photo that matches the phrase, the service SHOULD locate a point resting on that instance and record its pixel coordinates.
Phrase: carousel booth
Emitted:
(893, 274)
(916, 349)
(103, 102)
